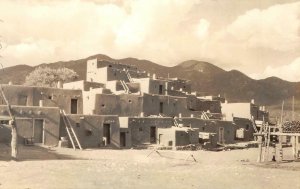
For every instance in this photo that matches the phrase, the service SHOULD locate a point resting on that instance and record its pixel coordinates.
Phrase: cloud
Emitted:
(166, 32)
(289, 72)
(276, 28)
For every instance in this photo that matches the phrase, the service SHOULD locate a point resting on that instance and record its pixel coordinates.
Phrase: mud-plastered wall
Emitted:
(90, 132)
(25, 122)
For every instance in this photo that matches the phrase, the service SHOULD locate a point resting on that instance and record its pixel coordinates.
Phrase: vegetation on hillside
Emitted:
(48, 77)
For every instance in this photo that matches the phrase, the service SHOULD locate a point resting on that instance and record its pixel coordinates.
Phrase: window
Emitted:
(141, 129)
(74, 104)
(161, 107)
(160, 90)
(129, 101)
(103, 105)
(88, 133)
(22, 100)
(6, 122)
(203, 128)
(247, 127)
(77, 124)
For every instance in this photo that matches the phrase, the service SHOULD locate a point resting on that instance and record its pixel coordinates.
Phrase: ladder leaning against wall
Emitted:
(71, 133)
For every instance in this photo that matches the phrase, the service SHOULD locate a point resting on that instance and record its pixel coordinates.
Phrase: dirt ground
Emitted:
(52, 168)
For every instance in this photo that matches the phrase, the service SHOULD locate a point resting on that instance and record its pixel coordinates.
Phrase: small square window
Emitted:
(88, 133)
(141, 129)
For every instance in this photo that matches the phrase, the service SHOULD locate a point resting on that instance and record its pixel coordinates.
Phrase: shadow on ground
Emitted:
(32, 153)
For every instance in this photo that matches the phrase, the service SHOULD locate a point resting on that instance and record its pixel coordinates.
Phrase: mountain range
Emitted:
(204, 76)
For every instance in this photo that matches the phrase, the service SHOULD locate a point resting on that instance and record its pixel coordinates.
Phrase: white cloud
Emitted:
(276, 27)
(289, 72)
(166, 32)
(202, 28)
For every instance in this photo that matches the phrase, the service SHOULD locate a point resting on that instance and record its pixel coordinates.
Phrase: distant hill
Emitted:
(205, 77)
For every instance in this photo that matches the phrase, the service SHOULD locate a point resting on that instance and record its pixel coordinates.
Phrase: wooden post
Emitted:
(279, 146)
(294, 146)
(268, 141)
(14, 140)
(259, 140)
(12, 123)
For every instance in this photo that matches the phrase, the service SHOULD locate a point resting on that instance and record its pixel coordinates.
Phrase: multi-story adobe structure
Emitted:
(116, 106)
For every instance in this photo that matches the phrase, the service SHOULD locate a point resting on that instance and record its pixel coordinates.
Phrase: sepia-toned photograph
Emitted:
(145, 94)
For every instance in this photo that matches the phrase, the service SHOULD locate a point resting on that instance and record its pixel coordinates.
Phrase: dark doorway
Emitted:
(122, 139)
(221, 135)
(22, 100)
(106, 133)
(160, 138)
(74, 103)
(160, 91)
(153, 134)
(38, 128)
(161, 107)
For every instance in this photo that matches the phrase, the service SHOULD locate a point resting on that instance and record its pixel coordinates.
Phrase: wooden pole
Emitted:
(293, 107)
(281, 118)
(260, 142)
(268, 141)
(12, 123)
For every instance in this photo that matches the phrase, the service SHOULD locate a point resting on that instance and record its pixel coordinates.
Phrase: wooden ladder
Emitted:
(254, 125)
(129, 76)
(126, 89)
(71, 133)
(176, 123)
(204, 115)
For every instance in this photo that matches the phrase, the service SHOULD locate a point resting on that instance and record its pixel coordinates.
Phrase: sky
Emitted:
(261, 38)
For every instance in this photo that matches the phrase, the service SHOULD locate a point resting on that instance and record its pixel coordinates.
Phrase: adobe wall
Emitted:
(52, 97)
(130, 105)
(103, 71)
(212, 126)
(106, 104)
(5, 133)
(246, 124)
(184, 138)
(166, 137)
(231, 110)
(25, 116)
(89, 129)
(133, 105)
(140, 128)
(172, 106)
(82, 85)
(179, 85)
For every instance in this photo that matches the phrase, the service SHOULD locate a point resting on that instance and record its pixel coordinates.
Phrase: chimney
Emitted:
(10, 83)
(41, 103)
(60, 84)
(252, 101)
(154, 76)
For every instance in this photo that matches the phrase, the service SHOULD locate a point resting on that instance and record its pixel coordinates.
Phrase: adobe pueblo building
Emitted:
(119, 106)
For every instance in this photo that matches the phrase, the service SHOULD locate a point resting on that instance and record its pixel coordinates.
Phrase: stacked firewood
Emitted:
(291, 127)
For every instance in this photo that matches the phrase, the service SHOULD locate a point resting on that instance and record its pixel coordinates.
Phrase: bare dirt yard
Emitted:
(52, 168)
